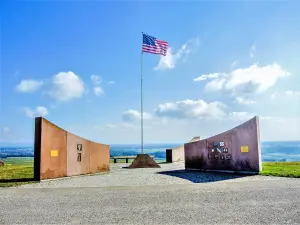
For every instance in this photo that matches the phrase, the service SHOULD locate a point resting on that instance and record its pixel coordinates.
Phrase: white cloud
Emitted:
(133, 115)
(274, 95)
(5, 129)
(244, 116)
(183, 129)
(216, 84)
(66, 86)
(289, 128)
(111, 82)
(254, 79)
(98, 91)
(96, 79)
(185, 109)
(233, 64)
(4, 133)
(110, 126)
(252, 51)
(28, 86)
(240, 116)
(243, 101)
(190, 109)
(210, 76)
(272, 118)
(39, 111)
(292, 93)
(126, 125)
(288, 93)
(173, 58)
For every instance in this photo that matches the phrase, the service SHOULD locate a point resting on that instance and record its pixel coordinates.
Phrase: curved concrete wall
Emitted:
(177, 154)
(59, 153)
(239, 150)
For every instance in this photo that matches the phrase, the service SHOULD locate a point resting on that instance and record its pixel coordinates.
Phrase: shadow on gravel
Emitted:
(202, 176)
(17, 180)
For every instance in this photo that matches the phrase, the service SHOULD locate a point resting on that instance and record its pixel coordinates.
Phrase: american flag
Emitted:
(154, 46)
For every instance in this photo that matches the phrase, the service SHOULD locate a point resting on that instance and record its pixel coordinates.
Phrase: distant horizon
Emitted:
(15, 144)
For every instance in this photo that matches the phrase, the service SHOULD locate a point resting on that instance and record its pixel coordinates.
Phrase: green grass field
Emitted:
(19, 160)
(17, 168)
(281, 169)
(20, 168)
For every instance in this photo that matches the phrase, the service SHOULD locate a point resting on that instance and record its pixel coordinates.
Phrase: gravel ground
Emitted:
(249, 202)
(168, 174)
(143, 196)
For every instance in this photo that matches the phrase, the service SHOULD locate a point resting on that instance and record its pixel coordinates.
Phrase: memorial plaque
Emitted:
(79, 147)
(79, 157)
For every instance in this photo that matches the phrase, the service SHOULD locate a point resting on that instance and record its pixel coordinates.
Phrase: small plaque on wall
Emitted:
(79, 147)
(54, 153)
(79, 157)
(244, 148)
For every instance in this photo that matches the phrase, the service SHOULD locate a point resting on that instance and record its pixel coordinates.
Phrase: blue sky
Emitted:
(78, 65)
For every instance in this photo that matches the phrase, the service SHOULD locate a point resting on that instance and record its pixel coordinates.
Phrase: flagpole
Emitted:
(142, 114)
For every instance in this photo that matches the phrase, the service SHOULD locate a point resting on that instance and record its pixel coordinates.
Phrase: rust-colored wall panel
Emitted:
(236, 150)
(99, 157)
(54, 141)
(59, 153)
(75, 167)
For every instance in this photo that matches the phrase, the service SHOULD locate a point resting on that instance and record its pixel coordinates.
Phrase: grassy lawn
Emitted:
(19, 160)
(16, 168)
(14, 184)
(281, 169)
(14, 171)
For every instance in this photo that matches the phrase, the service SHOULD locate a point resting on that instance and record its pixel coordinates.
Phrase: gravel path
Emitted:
(166, 175)
(143, 196)
(250, 202)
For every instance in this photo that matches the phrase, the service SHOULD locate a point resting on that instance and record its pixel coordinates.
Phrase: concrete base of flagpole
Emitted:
(143, 161)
